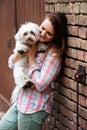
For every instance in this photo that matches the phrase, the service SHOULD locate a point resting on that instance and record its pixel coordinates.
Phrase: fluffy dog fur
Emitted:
(28, 34)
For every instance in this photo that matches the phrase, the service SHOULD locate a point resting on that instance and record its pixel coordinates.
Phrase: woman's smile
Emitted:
(46, 31)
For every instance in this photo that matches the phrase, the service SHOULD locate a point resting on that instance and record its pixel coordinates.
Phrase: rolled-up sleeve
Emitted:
(43, 76)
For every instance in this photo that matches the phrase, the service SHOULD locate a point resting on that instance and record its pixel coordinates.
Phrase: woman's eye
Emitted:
(43, 28)
(49, 33)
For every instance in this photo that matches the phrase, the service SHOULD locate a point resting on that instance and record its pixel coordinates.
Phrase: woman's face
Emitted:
(46, 31)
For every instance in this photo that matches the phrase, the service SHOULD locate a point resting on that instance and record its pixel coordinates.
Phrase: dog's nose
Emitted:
(29, 38)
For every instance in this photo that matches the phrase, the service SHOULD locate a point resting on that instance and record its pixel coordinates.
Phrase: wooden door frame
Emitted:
(4, 102)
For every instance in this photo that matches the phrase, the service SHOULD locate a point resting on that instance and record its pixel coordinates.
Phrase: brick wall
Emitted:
(69, 99)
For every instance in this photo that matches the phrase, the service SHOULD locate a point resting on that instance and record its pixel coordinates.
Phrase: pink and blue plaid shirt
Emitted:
(43, 73)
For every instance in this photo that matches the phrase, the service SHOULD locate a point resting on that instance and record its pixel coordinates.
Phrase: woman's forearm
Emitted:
(13, 59)
(16, 57)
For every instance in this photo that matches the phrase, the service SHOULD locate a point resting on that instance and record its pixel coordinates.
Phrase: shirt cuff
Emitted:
(32, 69)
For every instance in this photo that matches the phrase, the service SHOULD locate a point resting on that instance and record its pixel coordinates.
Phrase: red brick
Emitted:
(81, 55)
(72, 52)
(81, 0)
(75, 31)
(71, 125)
(51, 1)
(83, 7)
(62, 1)
(58, 124)
(82, 100)
(83, 90)
(74, 42)
(83, 112)
(71, 19)
(52, 121)
(76, 8)
(72, 84)
(70, 62)
(82, 123)
(65, 81)
(81, 20)
(84, 44)
(63, 119)
(83, 32)
(68, 114)
(85, 56)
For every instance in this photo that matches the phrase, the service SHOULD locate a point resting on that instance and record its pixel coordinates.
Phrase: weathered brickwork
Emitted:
(69, 97)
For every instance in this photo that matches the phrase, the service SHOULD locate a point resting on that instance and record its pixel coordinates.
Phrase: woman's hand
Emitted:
(16, 57)
(32, 54)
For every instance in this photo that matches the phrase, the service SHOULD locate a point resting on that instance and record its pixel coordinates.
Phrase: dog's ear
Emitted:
(17, 36)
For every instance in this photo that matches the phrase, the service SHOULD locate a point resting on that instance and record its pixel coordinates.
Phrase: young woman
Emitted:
(32, 106)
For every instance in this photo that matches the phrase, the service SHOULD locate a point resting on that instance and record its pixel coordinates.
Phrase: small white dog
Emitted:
(28, 34)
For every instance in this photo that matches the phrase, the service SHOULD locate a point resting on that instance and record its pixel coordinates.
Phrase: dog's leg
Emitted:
(29, 84)
(15, 94)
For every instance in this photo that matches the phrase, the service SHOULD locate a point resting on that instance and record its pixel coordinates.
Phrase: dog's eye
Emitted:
(32, 33)
(25, 34)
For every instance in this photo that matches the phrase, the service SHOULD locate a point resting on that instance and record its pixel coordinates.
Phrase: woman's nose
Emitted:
(43, 33)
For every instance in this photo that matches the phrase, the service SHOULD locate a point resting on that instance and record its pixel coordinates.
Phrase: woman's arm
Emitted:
(13, 59)
(44, 76)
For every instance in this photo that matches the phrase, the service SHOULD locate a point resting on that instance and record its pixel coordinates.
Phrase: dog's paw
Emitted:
(21, 52)
(28, 84)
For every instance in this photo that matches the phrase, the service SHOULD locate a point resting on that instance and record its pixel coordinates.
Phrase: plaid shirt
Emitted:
(43, 73)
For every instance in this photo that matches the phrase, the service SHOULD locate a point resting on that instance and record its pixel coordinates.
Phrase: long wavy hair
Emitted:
(59, 22)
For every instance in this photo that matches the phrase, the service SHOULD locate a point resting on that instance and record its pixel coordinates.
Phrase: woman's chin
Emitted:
(43, 40)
